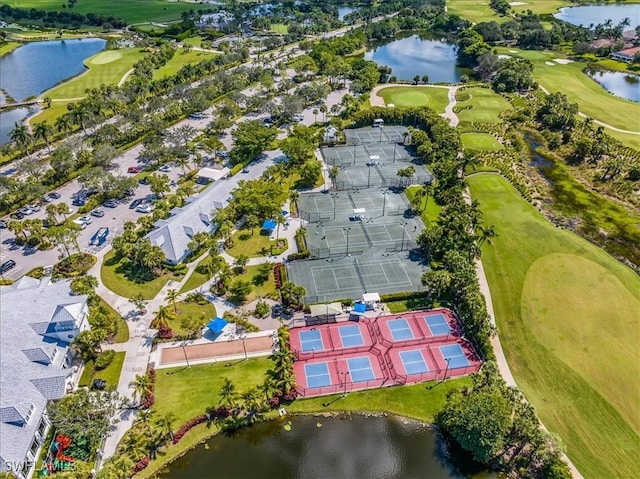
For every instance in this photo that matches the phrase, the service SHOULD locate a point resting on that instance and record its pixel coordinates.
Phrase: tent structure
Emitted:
(269, 225)
(327, 309)
(217, 325)
(359, 309)
(210, 174)
(370, 298)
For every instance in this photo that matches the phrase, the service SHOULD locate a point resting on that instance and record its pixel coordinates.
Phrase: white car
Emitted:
(165, 168)
(145, 208)
(80, 223)
(86, 219)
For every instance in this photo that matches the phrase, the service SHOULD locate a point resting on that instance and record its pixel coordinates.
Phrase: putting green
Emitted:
(104, 57)
(410, 96)
(475, 142)
(570, 329)
(486, 105)
(554, 306)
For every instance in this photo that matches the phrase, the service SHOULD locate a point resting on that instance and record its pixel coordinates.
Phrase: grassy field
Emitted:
(486, 105)
(111, 373)
(476, 142)
(204, 313)
(112, 273)
(197, 278)
(262, 288)
(252, 245)
(132, 11)
(568, 319)
(477, 12)
(593, 100)
(409, 96)
(279, 28)
(122, 333)
(8, 47)
(179, 60)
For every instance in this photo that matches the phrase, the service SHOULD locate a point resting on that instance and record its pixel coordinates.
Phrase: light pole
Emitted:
(186, 357)
(404, 230)
(347, 230)
(356, 142)
(369, 175)
(380, 141)
(334, 196)
(344, 380)
(384, 200)
(447, 368)
(244, 348)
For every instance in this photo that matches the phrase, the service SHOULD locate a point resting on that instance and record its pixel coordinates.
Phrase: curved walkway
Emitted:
(125, 76)
(597, 122)
(377, 100)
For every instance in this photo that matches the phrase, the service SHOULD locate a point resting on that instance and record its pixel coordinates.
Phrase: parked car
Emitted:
(110, 203)
(3, 224)
(129, 192)
(134, 169)
(86, 219)
(25, 211)
(245, 170)
(145, 208)
(7, 265)
(47, 199)
(97, 213)
(55, 195)
(17, 215)
(144, 180)
(165, 168)
(81, 224)
(223, 154)
(196, 116)
(135, 203)
(297, 117)
(79, 201)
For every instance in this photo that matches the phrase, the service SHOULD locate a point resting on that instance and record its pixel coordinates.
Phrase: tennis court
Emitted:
(311, 341)
(400, 329)
(454, 355)
(386, 134)
(317, 375)
(437, 324)
(360, 369)
(351, 336)
(413, 362)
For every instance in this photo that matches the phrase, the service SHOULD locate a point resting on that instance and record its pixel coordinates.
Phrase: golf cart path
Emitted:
(501, 359)
(377, 100)
(598, 122)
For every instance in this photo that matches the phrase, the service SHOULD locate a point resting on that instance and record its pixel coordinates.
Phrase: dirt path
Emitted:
(377, 100)
(124, 77)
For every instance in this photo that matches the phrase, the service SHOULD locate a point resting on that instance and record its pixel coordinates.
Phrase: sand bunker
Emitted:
(517, 4)
(551, 64)
(504, 57)
(562, 61)
(513, 51)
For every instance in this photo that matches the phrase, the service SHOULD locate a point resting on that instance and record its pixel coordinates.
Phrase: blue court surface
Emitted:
(351, 336)
(360, 369)
(413, 362)
(455, 355)
(400, 329)
(317, 375)
(311, 340)
(437, 324)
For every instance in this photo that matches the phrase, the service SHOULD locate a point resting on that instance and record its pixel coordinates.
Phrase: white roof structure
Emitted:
(358, 211)
(211, 173)
(371, 298)
(326, 309)
(38, 319)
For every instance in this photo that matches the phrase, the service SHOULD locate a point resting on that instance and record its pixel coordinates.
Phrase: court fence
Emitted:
(342, 387)
(401, 183)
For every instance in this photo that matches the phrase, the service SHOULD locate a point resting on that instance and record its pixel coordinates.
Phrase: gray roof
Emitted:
(31, 364)
(174, 233)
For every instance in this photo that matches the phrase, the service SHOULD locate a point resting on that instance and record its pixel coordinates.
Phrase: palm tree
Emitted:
(280, 221)
(141, 386)
(63, 209)
(52, 214)
(333, 174)
(323, 109)
(228, 394)
(300, 237)
(224, 274)
(315, 115)
(21, 136)
(172, 295)
(63, 123)
(252, 222)
(146, 419)
(182, 162)
(163, 315)
(165, 425)
(134, 445)
(241, 262)
(42, 131)
(294, 196)
(486, 233)
(116, 467)
(17, 227)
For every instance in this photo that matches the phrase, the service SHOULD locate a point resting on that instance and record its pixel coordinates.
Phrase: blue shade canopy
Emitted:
(269, 225)
(359, 308)
(217, 324)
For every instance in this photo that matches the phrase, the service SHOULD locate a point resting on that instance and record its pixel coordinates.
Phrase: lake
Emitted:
(343, 447)
(587, 14)
(9, 118)
(624, 85)
(344, 11)
(38, 66)
(413, 55)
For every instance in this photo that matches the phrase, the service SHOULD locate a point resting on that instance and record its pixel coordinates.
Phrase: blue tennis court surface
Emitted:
(351, 336)
(413, 362)
(455, 355)
(400, 329)
(317, 375)
(360, 369)
(437, 324)
(311, 340)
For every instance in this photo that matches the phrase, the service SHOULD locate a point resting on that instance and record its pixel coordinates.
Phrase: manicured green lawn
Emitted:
(179, 60)
(410, 96)
(197, 278)
(261, 288)
(592, 99)
(122, 333)
(204, 313)
(111, 373)
(251, 245)
(477, 12)
(8, 47)
(569, 324)
(279, 28)
(131, 11)
(486, 105)
(433, 209)
(475, 142)
(113, 277)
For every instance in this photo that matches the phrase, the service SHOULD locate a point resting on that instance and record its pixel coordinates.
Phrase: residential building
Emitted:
(38, 321)
(627, 55)
(217, 21)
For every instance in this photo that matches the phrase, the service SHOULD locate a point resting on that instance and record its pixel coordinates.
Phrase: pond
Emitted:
(343, 447)
(415, 54)
(9, 118)
(587, 14)
(344, 11)
(624, 85)
(38, 66)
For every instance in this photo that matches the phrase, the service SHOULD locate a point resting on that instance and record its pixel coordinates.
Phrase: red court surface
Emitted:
(384, 351)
